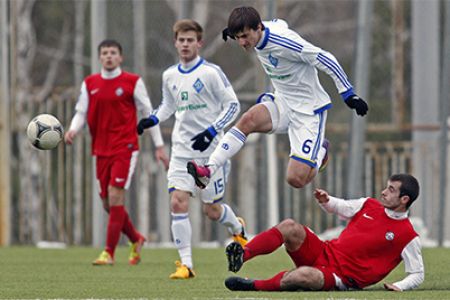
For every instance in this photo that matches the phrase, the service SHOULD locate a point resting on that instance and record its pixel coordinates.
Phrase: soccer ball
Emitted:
(45, 132)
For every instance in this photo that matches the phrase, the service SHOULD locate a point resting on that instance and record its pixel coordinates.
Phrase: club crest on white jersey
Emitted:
(273, 60)
(198, 85)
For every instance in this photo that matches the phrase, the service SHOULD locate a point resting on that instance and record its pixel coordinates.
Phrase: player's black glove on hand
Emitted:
(146, 123)
(358, 104)
(204, 139)
(226, 34)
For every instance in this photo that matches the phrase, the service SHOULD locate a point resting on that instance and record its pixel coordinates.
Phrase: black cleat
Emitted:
(240, 284)
(235, 256)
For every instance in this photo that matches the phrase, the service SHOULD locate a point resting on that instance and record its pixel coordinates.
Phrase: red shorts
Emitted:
(115, 170)
(312, 253)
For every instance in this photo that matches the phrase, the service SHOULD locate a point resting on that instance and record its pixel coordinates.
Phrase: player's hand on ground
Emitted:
(321, 196)
(391, 287)
(146, 123)
(161, 156)
(204, 139)
(69, 136)
(358, 104)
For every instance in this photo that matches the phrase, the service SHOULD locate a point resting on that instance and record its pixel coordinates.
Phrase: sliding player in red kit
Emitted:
(108, 102)
(377, 238)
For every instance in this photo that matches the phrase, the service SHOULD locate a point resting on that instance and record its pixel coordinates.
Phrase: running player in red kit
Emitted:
(108, 102)
(377, 238)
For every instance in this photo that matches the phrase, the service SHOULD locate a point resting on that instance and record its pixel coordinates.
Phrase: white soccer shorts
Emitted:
(306, 132)
(179, 179)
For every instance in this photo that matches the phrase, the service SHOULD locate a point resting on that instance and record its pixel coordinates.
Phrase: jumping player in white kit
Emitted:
(299, 104)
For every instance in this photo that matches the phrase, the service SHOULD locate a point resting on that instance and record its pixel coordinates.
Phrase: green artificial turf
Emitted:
(31, 273)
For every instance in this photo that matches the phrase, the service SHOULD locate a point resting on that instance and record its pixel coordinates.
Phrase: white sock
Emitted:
(182, 233)
(228, 146)
(229, 220)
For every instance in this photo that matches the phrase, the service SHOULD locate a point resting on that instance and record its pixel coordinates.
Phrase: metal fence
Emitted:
(51, 46)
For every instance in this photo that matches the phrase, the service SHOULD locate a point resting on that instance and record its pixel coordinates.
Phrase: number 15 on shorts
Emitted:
(219, 186)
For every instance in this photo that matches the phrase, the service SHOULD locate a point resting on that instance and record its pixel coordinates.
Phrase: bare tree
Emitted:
(31, 163)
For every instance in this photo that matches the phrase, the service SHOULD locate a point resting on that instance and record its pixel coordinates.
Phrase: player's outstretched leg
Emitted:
(201, 174)
(240, 284)
(235, 256)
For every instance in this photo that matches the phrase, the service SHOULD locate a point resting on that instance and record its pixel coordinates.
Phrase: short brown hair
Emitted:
(109, 43)
(409, 186)
(188, 25)
(243, 17)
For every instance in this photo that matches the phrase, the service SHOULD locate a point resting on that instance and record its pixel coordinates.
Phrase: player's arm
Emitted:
(223, 91)
(162, 113)
(345, 209)
(327, 63)
(144, 107)
(412, 257)
(79, 119)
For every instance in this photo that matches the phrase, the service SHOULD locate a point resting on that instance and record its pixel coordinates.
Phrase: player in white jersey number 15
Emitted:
(204, 103)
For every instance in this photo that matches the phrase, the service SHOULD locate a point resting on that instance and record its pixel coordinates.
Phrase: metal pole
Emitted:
(5, 136)
(98, 33)
(273, 216)
(444, 102)
(358, 126)
(425, 90)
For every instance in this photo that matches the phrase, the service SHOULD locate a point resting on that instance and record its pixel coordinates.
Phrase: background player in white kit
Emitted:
(204, 103)
(298, 106)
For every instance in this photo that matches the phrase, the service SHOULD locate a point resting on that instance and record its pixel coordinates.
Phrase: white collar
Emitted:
(190, 64)
(396, 215)
(111, 74)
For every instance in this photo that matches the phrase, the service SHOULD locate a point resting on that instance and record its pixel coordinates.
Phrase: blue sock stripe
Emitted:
(178, 217)
(238, 134)
(225, 210)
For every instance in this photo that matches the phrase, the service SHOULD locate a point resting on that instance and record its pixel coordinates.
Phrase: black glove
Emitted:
(204, 139)
(226, 34)
(145, 123)
(358, 104)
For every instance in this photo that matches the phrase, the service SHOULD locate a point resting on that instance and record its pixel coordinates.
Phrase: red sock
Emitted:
(129, 230)
(115, 224)
(264, 243)
(272, 284)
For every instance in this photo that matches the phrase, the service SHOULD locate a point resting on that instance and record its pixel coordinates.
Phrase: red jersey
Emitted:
(370, 246)
(111, 114)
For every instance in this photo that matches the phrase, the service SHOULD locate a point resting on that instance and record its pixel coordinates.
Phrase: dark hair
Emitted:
(409, 187)
(242, 18)
(188, 25)
(109, 43)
